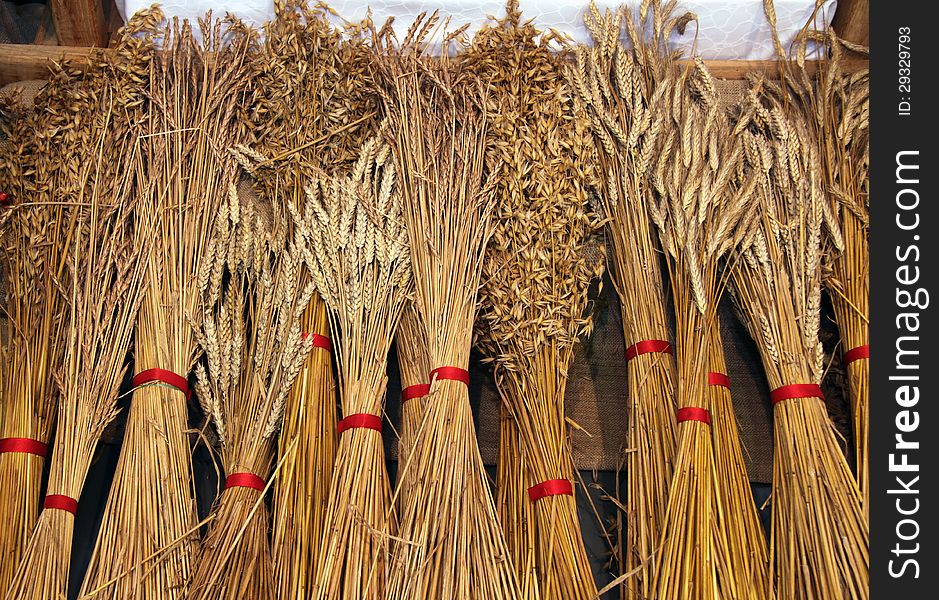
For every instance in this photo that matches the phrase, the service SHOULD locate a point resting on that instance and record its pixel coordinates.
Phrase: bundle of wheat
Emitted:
(411, 346)
(836, 104)
(148, 534)
(536, 276)
(354, 242)
(249, 328)
(314, 106)
(38, 164)
(451, 544)
(819, 534)
(618, 85)
(700, 203)
(106, 282)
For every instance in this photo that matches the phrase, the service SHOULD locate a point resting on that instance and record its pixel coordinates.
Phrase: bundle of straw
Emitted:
(618, 85)
(411, 346)
(536, 276)
(38, 164)
(451, 542)
(148, 534)
(352, 236)
(515, 509)
(106, 282)
(819, 534)
(249, 328)
(314, 107)
(837, 106)
(700, 203)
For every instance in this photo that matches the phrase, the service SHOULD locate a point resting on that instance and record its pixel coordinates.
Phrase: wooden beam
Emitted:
(739, 69)
(79, 22)
(852, 21)
(19, 62)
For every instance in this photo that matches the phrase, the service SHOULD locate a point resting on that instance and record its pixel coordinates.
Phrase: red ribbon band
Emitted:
(858, 353)
(415, 391)
(451, 374)
(719, 379)
(319, 341)
(163, 376)
(246, 480)
(693, 413)
(551, 487)
(796, 390)
(359, 421)
(61, 502)
(647, 346)
(23, 445)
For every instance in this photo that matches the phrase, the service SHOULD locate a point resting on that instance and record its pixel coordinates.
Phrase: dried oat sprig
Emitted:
(819, 535)
(354, 240)
(73, 296)
(249, 328)
(540, 264)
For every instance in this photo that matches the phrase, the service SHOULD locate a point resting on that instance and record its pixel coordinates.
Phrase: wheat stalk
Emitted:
(837, 107)
(354, 241)
(700, 202)
(411, 348)
(618, 85)
(819, 537)
(451, 542)
(147, 539)
(249, 329)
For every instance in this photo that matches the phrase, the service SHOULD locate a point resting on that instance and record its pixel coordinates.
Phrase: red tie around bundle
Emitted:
(415, 391)
(245, 480)
(359, 421)
(796, 390)
(24, 446)
(693, 413)
(859, 353)
(61, 502)
(163, 376)
(319, 341)
(451, 374)
(551, 487)
(646, 347)
(718, 379)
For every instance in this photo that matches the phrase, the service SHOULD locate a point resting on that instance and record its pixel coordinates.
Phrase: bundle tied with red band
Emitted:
(359, 421)
(16, 445)
(450, 374)
(155, 376)
(693, 413)
(415, 391)
(796, 390)
(856, 354)
(245, 480)
(61, 502)
(319, 341)
(551, 487)
(648, 347)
